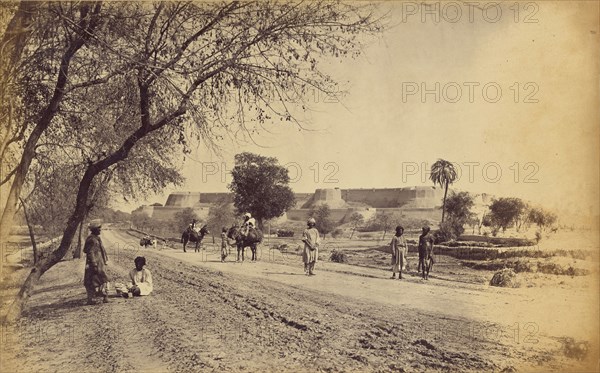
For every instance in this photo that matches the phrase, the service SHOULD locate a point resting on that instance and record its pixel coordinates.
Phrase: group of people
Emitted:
(95, 278)
(399, 249)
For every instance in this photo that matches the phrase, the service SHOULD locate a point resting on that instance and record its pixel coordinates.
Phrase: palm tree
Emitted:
(444, 174)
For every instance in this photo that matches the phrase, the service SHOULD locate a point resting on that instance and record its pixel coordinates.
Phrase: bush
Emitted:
(575, 349)
(285, 233)
(449, 230)
(338, 232)
(505, 278)
(338, 257)
(443, 234)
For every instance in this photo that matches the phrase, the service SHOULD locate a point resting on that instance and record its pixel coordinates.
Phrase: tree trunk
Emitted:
(78, 214)
(58, 254)
(31, 233)
(42, 124)
(444, 201)
(12, 45)
(77, 251)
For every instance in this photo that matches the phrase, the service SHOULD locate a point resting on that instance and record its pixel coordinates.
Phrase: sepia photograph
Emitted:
(299, 186)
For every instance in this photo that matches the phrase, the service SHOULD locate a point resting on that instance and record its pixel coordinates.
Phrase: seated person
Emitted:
(141, 279)
(194, 226)
(248, 223)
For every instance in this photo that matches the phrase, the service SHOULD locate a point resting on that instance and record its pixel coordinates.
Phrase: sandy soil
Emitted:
(268, 316)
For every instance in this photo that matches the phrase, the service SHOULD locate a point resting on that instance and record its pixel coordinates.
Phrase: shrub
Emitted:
(575, 349)
(285, 233)
(338, 257)
(505, 278)
(538, 237)
(338, 232)
(449, 230)
(443, 234)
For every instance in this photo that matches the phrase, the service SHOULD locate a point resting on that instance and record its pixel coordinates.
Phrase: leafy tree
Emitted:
(260, 187)
(184, 72)
(356, 219)
(183, 218)
(541, 217)
(385, 222)
(55, 34)
(505, 211)
(474, 222)
(140, 220)
(220, 215)
(444, 174)
(458, 207)
(322, 215)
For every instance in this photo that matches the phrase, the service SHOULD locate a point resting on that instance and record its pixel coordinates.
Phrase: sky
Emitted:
(509, 93)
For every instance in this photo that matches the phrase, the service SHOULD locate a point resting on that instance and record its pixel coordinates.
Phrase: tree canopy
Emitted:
(541, 217)
(322, 215)
(505, 212)
(443, 173)
(458, 208)
(260, 187)
(121, 89)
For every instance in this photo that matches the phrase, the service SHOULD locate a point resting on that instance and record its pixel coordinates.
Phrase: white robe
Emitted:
(142, 279)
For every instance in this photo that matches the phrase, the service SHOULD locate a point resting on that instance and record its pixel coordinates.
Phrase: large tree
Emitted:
(541, 217)
(356, 219)
(443, 173)
(505, 212)
(48, 43)
(179, 73)
(458, 208)
(322, 215)
(260, 187)
(220, 215)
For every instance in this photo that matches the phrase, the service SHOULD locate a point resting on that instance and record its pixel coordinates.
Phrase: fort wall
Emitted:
(415, 202)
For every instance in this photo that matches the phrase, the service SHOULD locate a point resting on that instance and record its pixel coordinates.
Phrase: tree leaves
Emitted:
(260, 186)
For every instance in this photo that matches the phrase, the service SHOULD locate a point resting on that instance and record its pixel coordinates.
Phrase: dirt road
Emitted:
(268, 316)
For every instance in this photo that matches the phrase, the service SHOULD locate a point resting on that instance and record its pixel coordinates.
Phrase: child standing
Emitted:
(224, 245)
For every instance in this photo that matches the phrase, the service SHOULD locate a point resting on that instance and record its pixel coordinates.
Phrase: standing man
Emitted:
(425, 252)
(311, 240)
(399, 251)
(95, 279)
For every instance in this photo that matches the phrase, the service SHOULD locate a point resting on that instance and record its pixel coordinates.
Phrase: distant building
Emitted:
(419, 202)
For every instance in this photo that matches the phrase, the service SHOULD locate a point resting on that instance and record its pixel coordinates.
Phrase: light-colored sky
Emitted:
(541, 144)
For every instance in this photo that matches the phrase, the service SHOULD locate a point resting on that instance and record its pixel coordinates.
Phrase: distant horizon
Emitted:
(396, 115)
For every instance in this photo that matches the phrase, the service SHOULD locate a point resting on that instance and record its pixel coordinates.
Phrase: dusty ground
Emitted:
(267, 316)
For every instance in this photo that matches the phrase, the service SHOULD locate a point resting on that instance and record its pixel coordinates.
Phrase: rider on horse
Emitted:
(194, 227)
(249, 223)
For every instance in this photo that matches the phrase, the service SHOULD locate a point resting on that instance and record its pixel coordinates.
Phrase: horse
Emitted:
(253, 238)
(190, 235)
